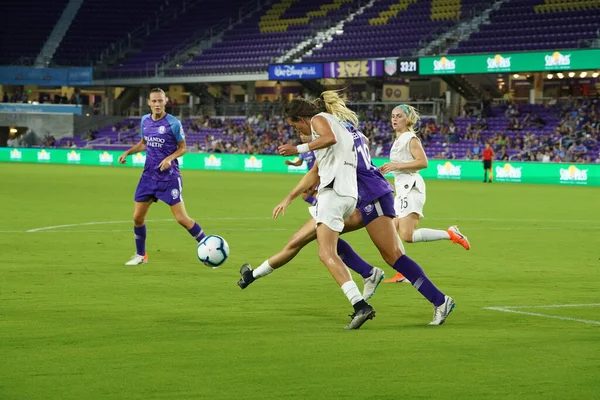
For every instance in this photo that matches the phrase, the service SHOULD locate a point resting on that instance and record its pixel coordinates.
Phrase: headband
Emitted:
(404, 108)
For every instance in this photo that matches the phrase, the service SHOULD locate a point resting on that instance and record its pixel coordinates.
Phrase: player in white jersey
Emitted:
(334, 149)
(407, 157)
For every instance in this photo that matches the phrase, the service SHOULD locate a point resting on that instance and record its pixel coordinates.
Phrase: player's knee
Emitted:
(406, 236)
(326, 256)
(138, 220)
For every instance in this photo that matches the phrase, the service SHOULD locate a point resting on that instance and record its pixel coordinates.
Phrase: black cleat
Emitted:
(247, 278)
(360, 317)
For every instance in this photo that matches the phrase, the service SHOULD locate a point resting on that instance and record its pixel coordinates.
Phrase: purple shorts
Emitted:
(383, 206)
(167, 191)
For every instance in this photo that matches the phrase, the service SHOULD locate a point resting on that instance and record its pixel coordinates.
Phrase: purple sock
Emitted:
(139, 233)
(353, 260)
(419, 280)
(197, 232)
(311, 200)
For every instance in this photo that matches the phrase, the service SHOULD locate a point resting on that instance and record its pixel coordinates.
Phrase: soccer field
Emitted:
(76, 323)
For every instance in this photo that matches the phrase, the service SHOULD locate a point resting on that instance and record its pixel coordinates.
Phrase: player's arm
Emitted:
(419, 162)
(139, 146)
(326, 139)
(310, 179)
(181, 147)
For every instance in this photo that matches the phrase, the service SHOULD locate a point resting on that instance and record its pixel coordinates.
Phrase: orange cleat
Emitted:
(458, 237)
(399, 278)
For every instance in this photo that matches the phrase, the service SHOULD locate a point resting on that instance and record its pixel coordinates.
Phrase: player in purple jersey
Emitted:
(375, 211)
(163, 139)
(309, 195)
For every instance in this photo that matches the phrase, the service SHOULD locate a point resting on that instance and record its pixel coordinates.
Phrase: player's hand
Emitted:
(287, 150)
(165, 164)
(123, 158)
(280, 208)
(388, 167)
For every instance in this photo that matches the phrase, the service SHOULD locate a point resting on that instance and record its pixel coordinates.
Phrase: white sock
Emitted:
(429, 235)
(351, 291)
(263, 270)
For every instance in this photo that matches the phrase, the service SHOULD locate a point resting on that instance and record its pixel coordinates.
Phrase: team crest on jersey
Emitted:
(175, 193)
(161, 129)
(368, 209)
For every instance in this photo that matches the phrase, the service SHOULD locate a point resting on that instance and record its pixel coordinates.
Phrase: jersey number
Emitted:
(364, 152)
(403, 202)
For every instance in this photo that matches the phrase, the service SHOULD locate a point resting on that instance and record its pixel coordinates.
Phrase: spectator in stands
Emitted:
(5, 98)
(476, 149)
(503, 156)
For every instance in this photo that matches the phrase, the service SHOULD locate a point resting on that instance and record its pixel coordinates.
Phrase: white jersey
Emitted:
(337, 163)
(405, 180)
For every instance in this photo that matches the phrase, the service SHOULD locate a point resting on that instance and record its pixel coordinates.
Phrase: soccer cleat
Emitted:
(441, 313)
(136, 259)
(246, 276)
(372, 282)
(360, 317)
(458, 237)
(397, 278)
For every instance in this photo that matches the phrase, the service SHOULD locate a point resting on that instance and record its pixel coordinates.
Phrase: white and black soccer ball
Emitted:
(213, 250)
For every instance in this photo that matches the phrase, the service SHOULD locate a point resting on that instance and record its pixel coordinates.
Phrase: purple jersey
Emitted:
(161, 139)
(371, 183)
(309, 158)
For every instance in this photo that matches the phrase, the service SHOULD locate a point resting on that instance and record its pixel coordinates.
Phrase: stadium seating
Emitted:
(24, 33)
(197, 20)
(393, 28)
(109, 21)
(521, 25)
(252, 45)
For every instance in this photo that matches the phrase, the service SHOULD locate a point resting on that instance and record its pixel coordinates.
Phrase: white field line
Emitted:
(511, 309)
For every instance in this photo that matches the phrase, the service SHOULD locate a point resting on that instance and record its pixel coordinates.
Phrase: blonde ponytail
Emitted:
(335, 105)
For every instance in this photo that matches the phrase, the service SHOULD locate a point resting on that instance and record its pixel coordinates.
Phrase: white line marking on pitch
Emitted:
(46, 228)
(566, 221)
(511, 309)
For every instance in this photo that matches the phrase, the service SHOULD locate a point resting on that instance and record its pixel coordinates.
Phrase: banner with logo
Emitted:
(283, 72)
(522, 172)
(396, 93)
(559, 60)
(79, 76)
(351, 69)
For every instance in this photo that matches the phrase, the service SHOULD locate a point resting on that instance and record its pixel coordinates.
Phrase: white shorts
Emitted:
(406, 204)
(332, 209)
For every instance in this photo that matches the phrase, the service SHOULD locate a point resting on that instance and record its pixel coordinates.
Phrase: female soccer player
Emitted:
(407, 157)
(309, 195)
(163, 139)
(376, 215)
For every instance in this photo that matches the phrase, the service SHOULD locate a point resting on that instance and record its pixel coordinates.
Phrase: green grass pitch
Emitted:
(76, 323)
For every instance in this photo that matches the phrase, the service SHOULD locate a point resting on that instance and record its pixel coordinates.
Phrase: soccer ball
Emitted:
(213, 250)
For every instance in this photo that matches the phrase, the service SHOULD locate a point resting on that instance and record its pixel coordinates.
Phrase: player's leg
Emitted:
(332, 210)
(372, 276)
(382, 233)
(140, 211)
(171, 193)
(144, 197)
(411, 211)
(327, 240)
(491, 173)
(301, 238)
